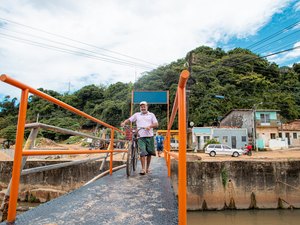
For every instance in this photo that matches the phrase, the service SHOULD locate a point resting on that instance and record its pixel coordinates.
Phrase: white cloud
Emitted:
(155, 31)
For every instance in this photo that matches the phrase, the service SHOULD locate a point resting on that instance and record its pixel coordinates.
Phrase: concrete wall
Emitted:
(241, 184)
(66, 179)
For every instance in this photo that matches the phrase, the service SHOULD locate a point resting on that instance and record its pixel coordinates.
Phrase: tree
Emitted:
(8, 106)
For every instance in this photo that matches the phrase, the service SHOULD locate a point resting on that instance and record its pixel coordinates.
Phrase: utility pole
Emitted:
(191, 60)
(254, 125)
(37, 117)
(188, 90)
(254, 128)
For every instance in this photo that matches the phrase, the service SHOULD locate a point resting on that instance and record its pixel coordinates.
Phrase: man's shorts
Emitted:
(146, 146)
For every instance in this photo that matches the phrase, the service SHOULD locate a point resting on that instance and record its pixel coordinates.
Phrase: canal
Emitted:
(245, 217)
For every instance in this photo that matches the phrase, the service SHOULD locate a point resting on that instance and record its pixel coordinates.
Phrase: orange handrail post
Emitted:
(12, 210)
(180, 106)
(112, 135)
(182, 148)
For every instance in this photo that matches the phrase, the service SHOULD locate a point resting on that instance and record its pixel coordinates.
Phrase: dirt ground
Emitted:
(285, 154)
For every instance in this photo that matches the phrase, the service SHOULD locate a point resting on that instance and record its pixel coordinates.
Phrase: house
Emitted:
(267, 123)
(239, 118)
(233, 137)
(200, 136)
(291, 131)
(262, 125)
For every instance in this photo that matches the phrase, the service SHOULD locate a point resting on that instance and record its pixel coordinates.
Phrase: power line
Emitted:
(254, 57)
(84, 43)
(273, 35)
(262, 47)
(47, 46)
(279, 52)
(72, 46)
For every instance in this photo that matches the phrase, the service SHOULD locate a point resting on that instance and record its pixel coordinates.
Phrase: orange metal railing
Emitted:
(19, 152)
(180, 106)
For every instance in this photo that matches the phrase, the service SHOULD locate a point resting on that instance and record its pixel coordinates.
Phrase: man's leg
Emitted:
(143, 153)
(148, 163)
(143, 161)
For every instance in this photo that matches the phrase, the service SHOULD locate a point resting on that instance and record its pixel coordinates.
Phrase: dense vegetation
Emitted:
(240, 76)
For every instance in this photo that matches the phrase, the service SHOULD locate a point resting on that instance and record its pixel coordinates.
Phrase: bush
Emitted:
(74, 140)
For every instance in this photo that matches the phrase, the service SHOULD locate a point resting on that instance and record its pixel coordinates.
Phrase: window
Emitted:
(264, 118)
(273, 136)
(206, 138)
(218, 146)
(295, 135)
(225, 139)
(244, 138)
(216, 138)
(280, 135)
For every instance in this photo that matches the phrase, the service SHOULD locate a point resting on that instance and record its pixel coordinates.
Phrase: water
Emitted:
(245, 217)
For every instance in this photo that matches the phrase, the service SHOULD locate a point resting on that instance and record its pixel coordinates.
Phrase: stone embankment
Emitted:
(241, 184)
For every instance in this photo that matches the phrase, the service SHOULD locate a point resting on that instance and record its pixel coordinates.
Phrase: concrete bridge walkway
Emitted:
(115, 199)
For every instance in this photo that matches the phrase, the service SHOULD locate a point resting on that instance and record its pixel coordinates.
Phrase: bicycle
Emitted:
(132, 134)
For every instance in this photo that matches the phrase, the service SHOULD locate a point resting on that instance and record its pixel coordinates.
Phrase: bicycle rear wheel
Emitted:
(129, 163)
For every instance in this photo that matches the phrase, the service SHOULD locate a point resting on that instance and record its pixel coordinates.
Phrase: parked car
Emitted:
(220, 149)
(174, 144)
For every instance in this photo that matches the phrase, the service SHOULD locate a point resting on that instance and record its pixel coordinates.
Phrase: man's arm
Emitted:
(124, 122)
(153, 125)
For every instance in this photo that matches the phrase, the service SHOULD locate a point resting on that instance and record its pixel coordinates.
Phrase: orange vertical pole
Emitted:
(182, 157)
(112, 136)
(12, 209)
(182, 148)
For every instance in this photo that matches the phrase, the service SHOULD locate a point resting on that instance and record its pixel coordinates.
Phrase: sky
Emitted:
(63, 45)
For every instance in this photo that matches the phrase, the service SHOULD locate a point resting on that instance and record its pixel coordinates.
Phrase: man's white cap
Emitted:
(143, 103)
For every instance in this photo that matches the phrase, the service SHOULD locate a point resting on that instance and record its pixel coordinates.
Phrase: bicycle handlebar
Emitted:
(136, 128)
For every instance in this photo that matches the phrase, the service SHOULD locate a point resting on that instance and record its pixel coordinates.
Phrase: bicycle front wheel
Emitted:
(129, 163)
(135, 156)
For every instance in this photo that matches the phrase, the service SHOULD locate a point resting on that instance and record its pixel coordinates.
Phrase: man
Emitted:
(147, 120)
(159, 144)
(249, 149)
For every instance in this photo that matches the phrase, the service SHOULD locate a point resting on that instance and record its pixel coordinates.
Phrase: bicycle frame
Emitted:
(133, 150)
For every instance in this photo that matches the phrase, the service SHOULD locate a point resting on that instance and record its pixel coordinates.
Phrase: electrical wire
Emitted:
(273, 35)
(84, 43)
(88, 55)
(77, 48)
(277, 40)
